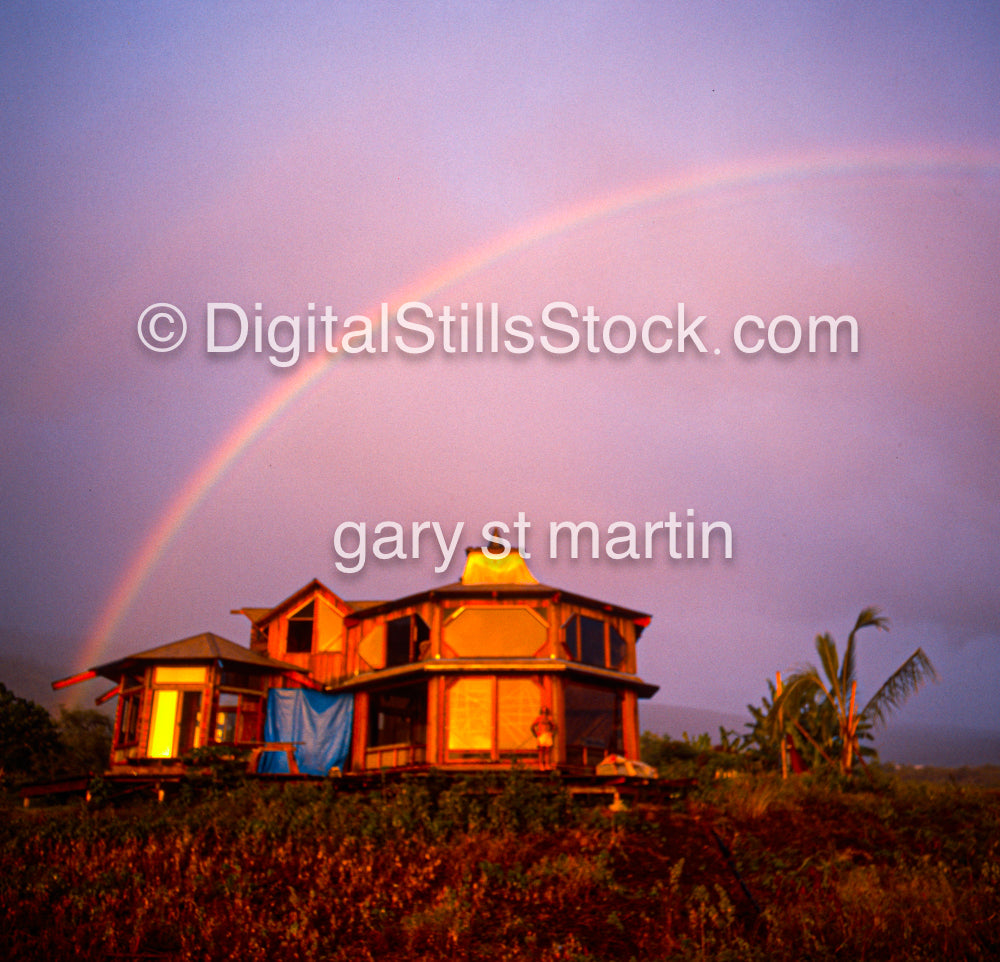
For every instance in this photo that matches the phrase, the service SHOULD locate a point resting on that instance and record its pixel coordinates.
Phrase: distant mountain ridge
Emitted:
(903, 744)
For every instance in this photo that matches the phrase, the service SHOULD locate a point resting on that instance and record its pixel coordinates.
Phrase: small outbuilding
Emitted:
(199, 691)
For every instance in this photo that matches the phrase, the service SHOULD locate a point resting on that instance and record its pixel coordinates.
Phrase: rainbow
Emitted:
(936, 161)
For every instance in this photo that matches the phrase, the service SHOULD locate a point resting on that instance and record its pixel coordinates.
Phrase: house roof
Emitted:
(506, 666)
(256, 615)
(526, 592)
(486, 575)
(204, 647)
(260, 616)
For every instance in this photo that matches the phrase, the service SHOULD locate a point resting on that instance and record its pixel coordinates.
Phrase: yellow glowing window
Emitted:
(495, 633)
(176, 723)
(171, 675)
(470, 715)
(519, 700)
(161, 735)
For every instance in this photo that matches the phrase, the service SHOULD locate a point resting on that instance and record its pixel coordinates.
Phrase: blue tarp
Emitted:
(318, 721)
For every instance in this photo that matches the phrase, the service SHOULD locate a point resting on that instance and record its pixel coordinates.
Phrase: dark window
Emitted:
(128, 725)
(300, 630)
(594, 642)
(593, 724)
(397, 642)
(190, 720)
(617, 647)
(242, 679)
(404, 639)
(398, 716)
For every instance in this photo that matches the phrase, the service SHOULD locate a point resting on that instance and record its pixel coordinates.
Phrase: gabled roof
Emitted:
(260, 616)
(204, 647)
(256, 615)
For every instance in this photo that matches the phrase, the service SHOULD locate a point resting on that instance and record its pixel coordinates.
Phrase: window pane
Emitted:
(397, 642)
(591, 641)
(128, 730)
(242, 679)
(495, 633)
(423, 638)
(572, 630)
(519, 700)
(161, 734)
(470, 715)
(225, 726)
(171, 675)
(398, 717)
(300, 631)
(189, 729)
(593, 722)
(618, 648)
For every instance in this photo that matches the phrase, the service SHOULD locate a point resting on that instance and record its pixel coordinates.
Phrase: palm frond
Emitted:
(868, 618)
(902, 683)
(826, 648)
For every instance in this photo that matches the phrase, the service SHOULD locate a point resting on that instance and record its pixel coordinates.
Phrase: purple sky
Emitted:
(792, 160)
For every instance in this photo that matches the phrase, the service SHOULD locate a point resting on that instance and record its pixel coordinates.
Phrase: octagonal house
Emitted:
(188, 694)
(455, 676)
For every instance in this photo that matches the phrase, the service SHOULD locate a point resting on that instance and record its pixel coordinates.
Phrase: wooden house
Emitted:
(453, 678)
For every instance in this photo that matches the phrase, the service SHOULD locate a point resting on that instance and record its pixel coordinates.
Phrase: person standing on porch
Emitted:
(544, 730)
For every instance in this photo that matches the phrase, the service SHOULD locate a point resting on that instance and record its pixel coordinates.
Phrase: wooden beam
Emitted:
(66, 682)
(304, 680)
(108, 695)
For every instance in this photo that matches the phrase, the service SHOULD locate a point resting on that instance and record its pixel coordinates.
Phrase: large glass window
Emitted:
(161, 733)
(491, 717)
(174, 728)
(518, 701)
(593, 723)
(470, 715)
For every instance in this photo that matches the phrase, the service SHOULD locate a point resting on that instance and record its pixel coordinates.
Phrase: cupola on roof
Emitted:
(485, 567)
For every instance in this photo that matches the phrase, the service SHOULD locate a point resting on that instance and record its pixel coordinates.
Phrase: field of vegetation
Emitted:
(747, 867)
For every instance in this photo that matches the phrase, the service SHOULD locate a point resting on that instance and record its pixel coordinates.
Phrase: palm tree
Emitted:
(833, 694)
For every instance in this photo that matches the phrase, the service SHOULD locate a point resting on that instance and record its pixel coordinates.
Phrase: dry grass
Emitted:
(752, 869)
